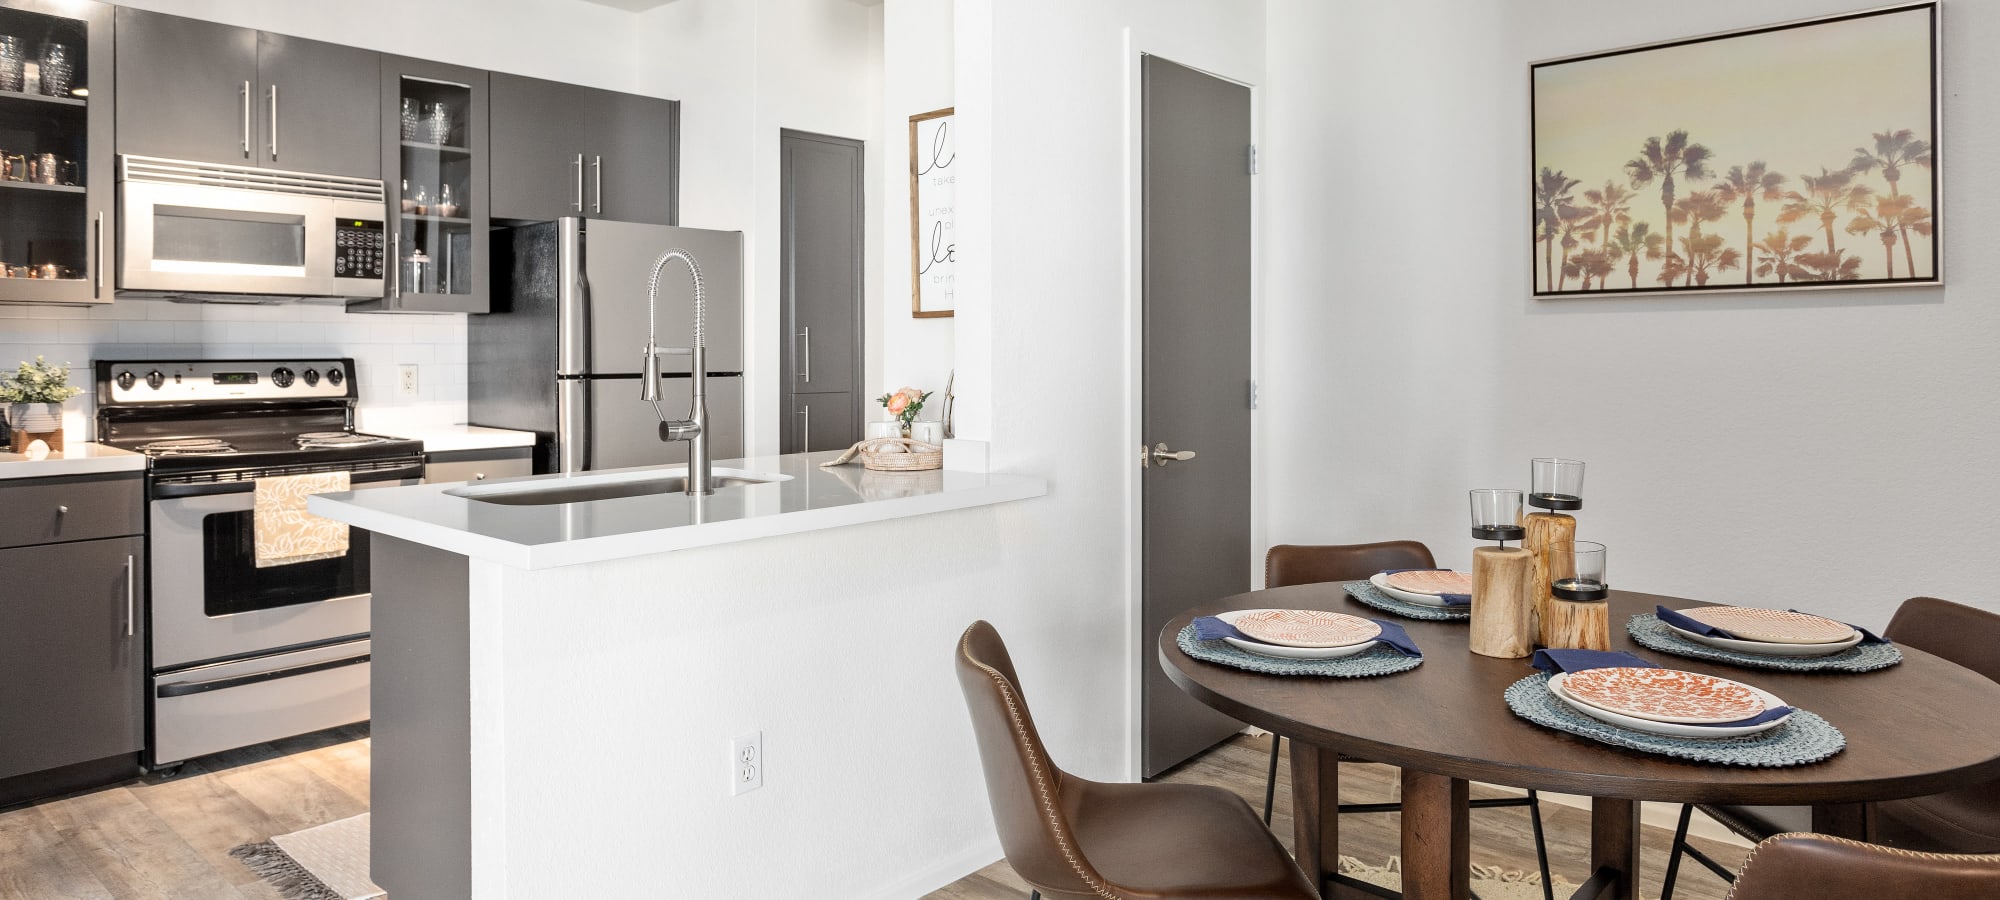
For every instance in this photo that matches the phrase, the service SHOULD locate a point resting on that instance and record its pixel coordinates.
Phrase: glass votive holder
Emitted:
(1555, 484)
(1496, 515)
(884, 429)
(1576, 570)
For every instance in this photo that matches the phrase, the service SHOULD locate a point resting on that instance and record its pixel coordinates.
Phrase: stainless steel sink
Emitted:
(585, 489)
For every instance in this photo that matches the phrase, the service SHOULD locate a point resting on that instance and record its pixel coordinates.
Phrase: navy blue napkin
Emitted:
(1446, 599)
(1553, 661)
(1210, 628)
(1686, 624)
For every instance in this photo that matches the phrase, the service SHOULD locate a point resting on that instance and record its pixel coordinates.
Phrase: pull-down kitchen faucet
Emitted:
(694, 428)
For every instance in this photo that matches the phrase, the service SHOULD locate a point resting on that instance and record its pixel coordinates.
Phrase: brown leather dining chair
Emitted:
(1793, 866)
(1070, 837)
(1290, 564)
(1966, 820)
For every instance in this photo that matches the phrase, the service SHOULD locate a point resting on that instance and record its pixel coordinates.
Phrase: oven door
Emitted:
(210, 602)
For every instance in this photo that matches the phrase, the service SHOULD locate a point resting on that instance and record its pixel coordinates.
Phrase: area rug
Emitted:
(325, 862)
(1489, 882)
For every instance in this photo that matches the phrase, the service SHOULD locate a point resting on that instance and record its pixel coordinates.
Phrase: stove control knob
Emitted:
(281, 377)
(335, 376)
(154, 379)
(311, 376)
(126, 379)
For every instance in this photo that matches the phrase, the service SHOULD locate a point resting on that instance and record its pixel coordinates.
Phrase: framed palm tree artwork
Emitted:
(1789, 157)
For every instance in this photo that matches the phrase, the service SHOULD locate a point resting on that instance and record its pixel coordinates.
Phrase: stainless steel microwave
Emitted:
(192, 228)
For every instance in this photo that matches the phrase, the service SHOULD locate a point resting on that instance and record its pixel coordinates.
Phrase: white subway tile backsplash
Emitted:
(142, 332)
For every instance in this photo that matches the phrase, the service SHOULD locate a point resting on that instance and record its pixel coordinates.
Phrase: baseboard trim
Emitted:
(940, 874)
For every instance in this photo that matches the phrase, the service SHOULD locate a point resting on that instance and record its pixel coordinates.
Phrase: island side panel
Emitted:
(420, 790)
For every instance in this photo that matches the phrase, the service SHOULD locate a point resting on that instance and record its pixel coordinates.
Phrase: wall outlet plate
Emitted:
(746, 762)
(406, 380)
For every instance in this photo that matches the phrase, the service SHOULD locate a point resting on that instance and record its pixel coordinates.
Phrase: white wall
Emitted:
(916, 78)
(1826, 450)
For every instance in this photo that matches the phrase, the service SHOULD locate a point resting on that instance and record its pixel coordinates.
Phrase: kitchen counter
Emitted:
(809, 498)
(460, 438)
(77, 458)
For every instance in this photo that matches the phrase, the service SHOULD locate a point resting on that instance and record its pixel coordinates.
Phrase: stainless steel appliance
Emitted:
(202, 229)
(563, 352)
(242, 654)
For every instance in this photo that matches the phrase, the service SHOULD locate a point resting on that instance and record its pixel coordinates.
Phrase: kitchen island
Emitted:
(557, 684)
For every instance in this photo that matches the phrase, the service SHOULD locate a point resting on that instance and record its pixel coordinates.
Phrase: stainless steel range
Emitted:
(242, 652)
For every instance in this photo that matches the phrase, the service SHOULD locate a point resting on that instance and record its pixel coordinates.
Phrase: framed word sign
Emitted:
(1793, 156)
(933, 197)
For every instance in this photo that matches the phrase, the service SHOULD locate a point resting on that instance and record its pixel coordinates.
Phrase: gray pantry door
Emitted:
(821, 241)
(1195, 379)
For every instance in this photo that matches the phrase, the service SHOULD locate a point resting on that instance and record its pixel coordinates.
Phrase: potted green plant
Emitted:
(34, 396)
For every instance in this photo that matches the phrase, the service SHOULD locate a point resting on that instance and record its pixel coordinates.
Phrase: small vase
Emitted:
(35, 421)
(902, 428)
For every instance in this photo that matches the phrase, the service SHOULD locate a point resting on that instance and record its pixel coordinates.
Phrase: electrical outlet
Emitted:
(406, 382)
(746, 762)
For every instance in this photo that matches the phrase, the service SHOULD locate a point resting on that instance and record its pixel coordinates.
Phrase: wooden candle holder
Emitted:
(1503, 610)
(1577, 624)
(1545, 530)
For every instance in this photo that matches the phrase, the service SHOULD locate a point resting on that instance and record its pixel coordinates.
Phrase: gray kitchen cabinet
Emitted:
(821, 422)
(566, 150)
(59, 225)
(72, 636)
(439, 198)
(478, 465)
(217, 93)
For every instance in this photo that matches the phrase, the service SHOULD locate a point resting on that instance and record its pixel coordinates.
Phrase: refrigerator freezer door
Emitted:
(624, 430)
(617, 259)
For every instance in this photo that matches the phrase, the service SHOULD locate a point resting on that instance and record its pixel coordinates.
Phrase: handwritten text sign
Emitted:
(933, 196)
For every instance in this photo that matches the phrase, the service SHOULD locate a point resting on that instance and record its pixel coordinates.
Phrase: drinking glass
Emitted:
(1555, 484)
(438, 119)
(13, 62)
(1576, 570)
(1496, 515)
(58, 70)
(410, 129)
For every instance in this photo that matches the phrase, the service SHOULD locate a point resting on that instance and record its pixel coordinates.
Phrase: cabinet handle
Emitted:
(131, 595)
(479, 476)
(806, 442)
(396, 263)
(100, 252)
(274, 123)
(809, 354)
(62, 510)
(246, 118)
(597, 175)
(579, 182)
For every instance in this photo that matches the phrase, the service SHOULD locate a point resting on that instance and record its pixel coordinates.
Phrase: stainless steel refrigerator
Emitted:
(560, 353)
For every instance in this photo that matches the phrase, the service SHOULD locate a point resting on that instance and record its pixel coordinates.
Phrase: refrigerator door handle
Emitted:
(572, 301)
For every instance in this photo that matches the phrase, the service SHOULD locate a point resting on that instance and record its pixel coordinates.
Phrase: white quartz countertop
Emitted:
(458, 438)
(76, 458)
(547, 536)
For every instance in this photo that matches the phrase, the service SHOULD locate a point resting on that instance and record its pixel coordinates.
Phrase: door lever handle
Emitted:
(1161, 455)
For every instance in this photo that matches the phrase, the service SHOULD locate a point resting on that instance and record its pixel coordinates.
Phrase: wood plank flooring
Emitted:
(169, 839)
(1500, 837)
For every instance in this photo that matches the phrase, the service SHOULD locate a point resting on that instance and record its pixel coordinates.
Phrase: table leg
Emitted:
(1437, 838)
(1614, 843)
(1315, 810)
(1848, 820)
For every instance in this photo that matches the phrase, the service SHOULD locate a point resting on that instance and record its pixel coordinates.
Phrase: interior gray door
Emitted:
(1196, 376)
(618, 259)
(821, 241)
(824, 422)
(625, 431)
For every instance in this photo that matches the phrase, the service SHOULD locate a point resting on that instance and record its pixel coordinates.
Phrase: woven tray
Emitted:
(1649, 631)
(1366, 593)
(1804, 738)
(917, 455)
(1377, 660)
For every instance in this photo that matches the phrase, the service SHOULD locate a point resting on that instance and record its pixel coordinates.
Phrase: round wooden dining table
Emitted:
(1916, 728)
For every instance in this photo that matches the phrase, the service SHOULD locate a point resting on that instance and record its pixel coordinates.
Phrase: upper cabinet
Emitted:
(56, 161)
(564, 150)
(434, 160)
(220, 94)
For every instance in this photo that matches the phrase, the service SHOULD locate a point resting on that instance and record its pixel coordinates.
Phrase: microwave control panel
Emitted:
(358, 249)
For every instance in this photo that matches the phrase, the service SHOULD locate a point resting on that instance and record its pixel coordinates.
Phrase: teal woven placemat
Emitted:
(1804, 738)
(1377, 660)
(1367, 593)
(1649, 631)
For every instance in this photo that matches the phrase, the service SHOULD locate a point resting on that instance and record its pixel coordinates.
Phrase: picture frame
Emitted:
(933, 245)
(1678, 167)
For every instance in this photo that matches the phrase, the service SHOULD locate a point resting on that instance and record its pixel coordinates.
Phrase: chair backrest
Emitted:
(1289, 564)
(1790, 866)
(1967, 636)
(1023, 785)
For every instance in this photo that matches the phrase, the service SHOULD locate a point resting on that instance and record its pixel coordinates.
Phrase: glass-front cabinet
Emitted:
(434, 163)
(56, 176)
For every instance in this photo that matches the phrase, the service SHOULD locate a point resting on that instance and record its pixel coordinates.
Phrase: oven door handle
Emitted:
(184, 688)
(411, 473)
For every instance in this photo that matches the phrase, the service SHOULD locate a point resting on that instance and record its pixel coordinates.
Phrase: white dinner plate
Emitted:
(1669, 729)
(1763, 648)
(1381, 583)
(1262, 649)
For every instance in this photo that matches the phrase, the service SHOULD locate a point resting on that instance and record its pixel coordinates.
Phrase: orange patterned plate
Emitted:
(1446, 582)
(1306, 628)
(1665, 695)
(1772, 626)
